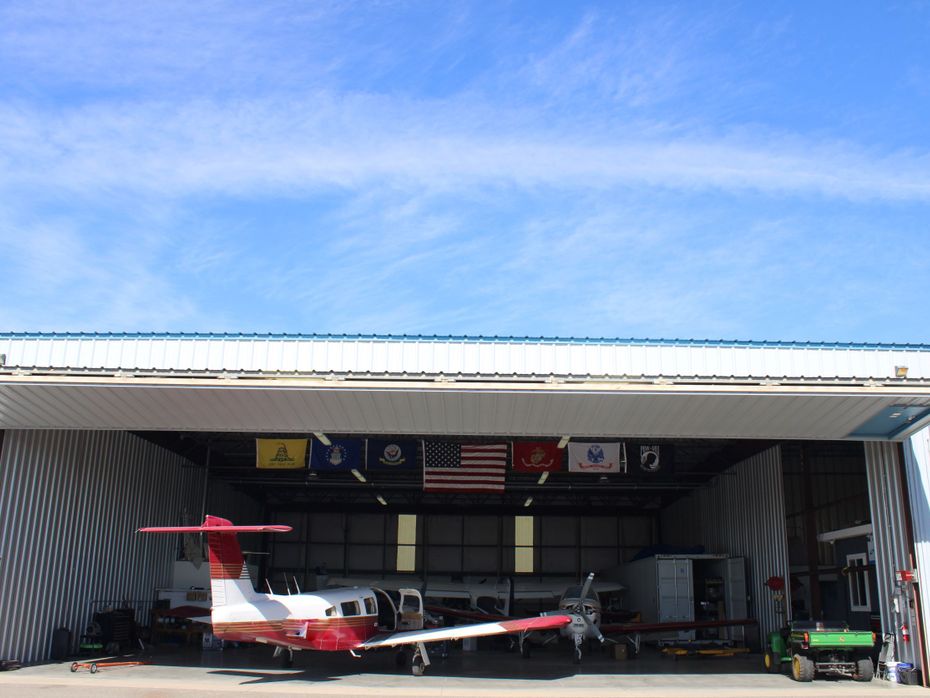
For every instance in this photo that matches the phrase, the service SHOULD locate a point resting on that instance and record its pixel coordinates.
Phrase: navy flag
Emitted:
(391, 454)
(341, 454)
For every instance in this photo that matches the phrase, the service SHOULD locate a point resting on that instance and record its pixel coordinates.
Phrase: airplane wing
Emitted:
(630, 628)
(408, 637)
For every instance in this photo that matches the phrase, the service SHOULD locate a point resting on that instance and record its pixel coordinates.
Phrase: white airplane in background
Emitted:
(345, 619)
(474, 588)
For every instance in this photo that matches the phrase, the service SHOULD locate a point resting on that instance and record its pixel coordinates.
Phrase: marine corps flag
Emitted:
(537, 456)
(280, 453)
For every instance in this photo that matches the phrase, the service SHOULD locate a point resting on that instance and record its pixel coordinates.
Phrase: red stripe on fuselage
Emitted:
(327, 634)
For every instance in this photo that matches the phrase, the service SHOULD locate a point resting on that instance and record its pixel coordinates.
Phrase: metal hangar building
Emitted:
(771, 451)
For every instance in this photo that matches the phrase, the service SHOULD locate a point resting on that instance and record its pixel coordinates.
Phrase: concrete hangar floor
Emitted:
(486, 672)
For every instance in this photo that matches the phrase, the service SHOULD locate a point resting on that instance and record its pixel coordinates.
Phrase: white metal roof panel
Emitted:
(490, 358)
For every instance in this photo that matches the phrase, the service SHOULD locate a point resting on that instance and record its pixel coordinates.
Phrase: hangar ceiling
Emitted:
(583, 408)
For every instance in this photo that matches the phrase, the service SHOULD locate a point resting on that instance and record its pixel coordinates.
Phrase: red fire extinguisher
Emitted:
(905, 633)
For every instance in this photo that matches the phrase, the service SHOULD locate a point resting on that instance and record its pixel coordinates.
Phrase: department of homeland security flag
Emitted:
(537, 456)
(596, 457)
(451, 467)
(391, 454)
(341, 454)
(280, 453)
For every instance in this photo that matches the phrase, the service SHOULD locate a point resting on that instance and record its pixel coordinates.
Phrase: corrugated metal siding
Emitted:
(345, 407)
(917, 466)
(741, 512)
(892, 550)
(432, 356)
(70, 504)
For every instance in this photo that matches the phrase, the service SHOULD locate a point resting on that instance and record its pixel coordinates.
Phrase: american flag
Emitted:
(450, 467)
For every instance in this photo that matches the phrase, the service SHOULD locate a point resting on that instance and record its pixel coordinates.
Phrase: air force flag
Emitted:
(341, 454)
(596, 457)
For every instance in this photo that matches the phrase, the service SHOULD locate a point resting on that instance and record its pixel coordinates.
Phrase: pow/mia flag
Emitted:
(654, 458)
(391, 454)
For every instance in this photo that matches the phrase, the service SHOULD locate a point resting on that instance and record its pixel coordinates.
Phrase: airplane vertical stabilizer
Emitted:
(229, 577)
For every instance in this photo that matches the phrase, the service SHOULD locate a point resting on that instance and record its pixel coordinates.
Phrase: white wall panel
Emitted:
(892, 544)
(917, 466)
(70, 504)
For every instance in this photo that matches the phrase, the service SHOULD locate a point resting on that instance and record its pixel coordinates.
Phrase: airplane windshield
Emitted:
(575, 592)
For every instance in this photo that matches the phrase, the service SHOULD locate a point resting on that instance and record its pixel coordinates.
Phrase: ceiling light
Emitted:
(529, 500)
(358, 475)
(323, 438)
(381, 500)
(543, 478)
(900, 371)
(563, 442)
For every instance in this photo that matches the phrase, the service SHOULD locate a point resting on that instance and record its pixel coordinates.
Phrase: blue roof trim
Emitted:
(622, 341)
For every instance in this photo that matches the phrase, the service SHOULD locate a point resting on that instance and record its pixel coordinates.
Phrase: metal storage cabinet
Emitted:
(662, 589)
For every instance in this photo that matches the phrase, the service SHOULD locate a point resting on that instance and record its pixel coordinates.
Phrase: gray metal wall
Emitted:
(741, 512)
(892, 549)
(70, 504)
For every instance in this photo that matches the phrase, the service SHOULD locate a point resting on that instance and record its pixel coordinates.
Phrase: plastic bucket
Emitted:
(891, 672)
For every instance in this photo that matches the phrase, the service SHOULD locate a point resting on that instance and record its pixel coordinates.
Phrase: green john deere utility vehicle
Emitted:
(818, 647)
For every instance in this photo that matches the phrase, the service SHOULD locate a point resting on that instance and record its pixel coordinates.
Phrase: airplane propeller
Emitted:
(580, 609)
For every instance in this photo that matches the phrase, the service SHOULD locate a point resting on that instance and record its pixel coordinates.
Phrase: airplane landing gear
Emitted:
(420, 660)
(576, 654)
(525, 647)
(285, 656)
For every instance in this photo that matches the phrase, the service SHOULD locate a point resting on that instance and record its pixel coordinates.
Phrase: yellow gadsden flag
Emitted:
(280, 453)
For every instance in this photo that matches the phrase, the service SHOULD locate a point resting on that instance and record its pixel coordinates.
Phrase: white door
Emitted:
(675, 582)
(734, 589)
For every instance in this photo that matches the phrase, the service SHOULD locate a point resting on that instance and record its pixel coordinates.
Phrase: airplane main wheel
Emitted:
(417, 666)
(287, 659)
(525, 649)
(400, 659)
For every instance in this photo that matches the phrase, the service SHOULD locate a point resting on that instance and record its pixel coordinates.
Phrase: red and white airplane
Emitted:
(343, 619)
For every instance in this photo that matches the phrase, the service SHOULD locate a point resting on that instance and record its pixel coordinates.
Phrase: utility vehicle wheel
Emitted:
(802, 668)
(772, 662)
(864, 670)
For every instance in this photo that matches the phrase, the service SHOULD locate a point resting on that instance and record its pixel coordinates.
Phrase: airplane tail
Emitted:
(229, 576)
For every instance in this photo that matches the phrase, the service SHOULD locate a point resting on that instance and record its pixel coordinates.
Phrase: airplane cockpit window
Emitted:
(349, 608)
(370, 608)
(330, 612)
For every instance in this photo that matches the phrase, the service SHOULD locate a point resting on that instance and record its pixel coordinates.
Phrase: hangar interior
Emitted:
(89, 456)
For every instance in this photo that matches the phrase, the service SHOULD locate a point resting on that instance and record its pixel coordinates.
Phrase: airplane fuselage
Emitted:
(340, 619)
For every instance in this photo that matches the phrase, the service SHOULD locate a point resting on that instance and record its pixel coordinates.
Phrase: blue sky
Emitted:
(694, 170)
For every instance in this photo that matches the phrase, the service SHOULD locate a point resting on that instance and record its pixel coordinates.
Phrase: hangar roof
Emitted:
(371, 384)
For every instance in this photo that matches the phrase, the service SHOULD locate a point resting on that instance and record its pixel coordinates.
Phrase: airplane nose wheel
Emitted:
(576, 655)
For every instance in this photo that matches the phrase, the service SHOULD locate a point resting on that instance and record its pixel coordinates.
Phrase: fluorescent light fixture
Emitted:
(381, 500)
(323, 438)
(563, 442)
(529, 500)
(543, 478)
(900, 371)
(358, 475)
